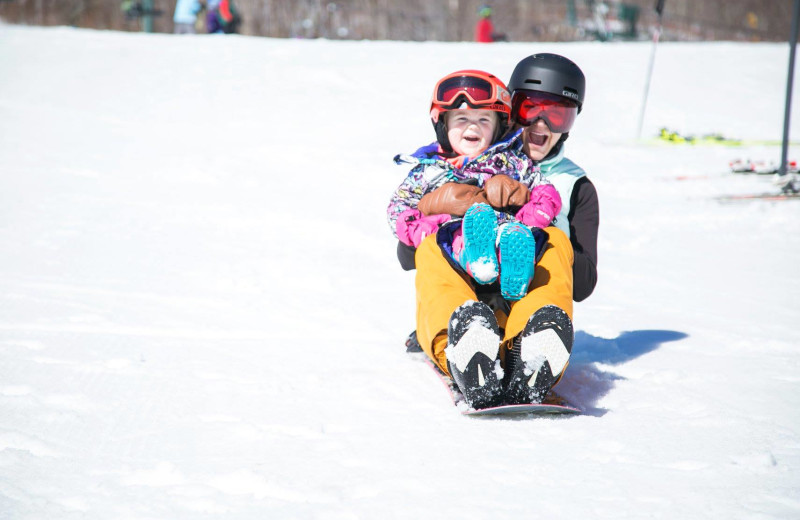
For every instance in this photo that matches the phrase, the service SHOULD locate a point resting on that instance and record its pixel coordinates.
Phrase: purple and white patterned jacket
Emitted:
(431, 170)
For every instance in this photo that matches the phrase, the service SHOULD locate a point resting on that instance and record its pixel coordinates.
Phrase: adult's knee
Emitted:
(559, 241)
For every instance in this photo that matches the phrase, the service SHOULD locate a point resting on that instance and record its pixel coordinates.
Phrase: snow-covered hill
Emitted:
(201, 313)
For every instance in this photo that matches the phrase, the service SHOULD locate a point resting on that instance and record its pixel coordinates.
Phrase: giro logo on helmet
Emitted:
(567, 93)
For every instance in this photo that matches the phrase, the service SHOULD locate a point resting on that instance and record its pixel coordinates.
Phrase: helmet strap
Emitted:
(441, 134)
(501, 131)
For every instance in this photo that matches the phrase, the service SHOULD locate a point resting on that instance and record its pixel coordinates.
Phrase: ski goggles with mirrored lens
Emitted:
(475, 90)
(559, 113)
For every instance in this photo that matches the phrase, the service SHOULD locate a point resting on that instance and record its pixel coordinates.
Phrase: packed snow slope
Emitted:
(203, 315)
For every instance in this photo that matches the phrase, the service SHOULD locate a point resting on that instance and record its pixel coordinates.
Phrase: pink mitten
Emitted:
(542, 208)
(412, 227)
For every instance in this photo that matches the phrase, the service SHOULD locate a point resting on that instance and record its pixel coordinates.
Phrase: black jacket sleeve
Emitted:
(584, 221)
(405, 254)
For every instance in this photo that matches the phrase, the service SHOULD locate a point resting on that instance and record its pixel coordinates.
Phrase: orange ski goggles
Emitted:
(478, 90)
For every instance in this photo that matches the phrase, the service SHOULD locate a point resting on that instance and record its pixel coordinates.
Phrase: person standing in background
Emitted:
(212, 17)
(185, 16)
(222, 17)
(484, 29)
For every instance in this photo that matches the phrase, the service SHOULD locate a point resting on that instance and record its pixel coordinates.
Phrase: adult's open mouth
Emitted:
(537, 139)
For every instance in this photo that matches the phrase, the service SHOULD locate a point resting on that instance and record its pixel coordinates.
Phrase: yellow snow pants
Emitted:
(441, 290)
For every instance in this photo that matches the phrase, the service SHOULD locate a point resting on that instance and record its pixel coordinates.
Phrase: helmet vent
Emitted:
(534, 81)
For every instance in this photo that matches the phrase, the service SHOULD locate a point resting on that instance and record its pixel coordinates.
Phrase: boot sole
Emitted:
(538, 361)
(518, 254)
(472, 355)
(480, 234)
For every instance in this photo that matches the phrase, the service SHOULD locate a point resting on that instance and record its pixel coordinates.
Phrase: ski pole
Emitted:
(789, 81)
(656, 36)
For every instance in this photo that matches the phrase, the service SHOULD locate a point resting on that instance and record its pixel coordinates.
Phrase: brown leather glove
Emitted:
(452, 198)
(504, 193)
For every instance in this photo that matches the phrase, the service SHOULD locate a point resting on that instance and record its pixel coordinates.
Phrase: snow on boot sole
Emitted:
(517, 257)
(539, 356)
(472, 354)
(479, 229)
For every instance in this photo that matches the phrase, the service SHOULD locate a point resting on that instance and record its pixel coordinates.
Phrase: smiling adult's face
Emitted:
(538, 140)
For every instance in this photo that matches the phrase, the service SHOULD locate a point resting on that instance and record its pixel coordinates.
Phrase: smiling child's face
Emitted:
(470, 131)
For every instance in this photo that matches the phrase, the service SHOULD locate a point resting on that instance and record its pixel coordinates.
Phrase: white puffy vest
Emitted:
(563, 174)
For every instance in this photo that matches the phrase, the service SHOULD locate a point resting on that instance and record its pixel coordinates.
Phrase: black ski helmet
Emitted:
(549, 73)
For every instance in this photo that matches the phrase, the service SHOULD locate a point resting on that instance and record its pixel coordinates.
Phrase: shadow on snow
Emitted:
(584, 383)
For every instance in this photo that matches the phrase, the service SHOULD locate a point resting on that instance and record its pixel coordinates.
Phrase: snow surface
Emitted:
(203, 315)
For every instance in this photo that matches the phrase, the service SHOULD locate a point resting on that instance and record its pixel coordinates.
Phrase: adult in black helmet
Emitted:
(547, 93)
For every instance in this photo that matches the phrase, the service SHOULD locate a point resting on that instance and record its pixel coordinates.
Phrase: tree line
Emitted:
(444, 20)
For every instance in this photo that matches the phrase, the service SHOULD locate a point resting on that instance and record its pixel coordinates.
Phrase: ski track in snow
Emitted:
(201, 315)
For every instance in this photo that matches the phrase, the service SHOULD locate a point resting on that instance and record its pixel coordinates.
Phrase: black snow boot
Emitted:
(473, 348)
(539, 356)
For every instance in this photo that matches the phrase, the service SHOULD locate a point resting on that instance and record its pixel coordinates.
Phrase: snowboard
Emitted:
(553, 404)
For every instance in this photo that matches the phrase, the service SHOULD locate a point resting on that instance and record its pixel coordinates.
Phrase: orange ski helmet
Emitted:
(473, 89)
